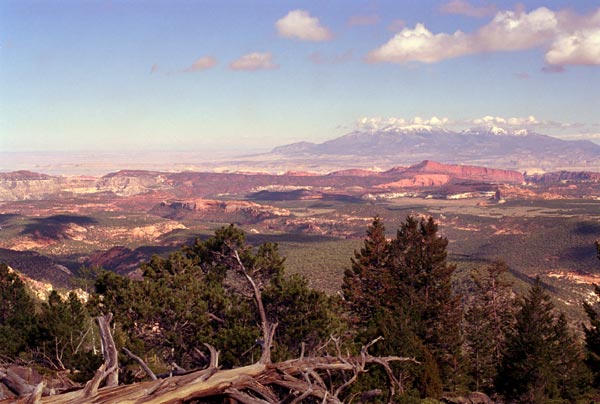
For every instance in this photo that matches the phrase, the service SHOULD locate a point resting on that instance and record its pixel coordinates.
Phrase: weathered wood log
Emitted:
(15, 382)
(250, 383)
(36, 395)
(20, 384)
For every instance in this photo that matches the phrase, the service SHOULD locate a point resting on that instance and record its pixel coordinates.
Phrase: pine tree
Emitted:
(488, 318)
(303, 316)
(423, 280)
(592, 335)
(367, 282)
(573, 377)
(401, 289)
(539, 351)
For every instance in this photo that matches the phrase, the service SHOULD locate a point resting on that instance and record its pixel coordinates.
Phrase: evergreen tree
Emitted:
(401, 289)
(488, 318)
(303, 316)
(198, 295)
(592, 335)
(18, 318)
(423, 281)
(368, 280)
(573, 378)
(538, 352)
(66, 339)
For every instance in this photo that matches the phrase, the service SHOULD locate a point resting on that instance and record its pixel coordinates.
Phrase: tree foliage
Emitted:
(542, 359)
(398, 288)
(56, 335)
(197, 295)
(489, 317)
(592, 334)
(401, 289)
(18, 323)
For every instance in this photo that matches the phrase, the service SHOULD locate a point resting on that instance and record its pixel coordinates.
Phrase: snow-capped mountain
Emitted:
(491, 145)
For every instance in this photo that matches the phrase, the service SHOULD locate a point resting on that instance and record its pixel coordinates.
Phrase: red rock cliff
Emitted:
(467, 172)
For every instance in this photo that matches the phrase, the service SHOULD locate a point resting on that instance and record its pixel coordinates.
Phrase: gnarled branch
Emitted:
(140, 362)
(268, 328)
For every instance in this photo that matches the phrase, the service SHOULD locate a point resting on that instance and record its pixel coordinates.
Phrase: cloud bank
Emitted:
(299, 24)
(568, 39)
(380, 123)
(498, 124)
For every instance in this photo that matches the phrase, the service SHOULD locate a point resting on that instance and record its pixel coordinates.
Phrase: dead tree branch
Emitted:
(140, 362)
(268, 328)
(110, 368)
(251, 384)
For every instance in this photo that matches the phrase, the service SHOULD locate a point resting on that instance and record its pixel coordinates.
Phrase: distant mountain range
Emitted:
(520, 150)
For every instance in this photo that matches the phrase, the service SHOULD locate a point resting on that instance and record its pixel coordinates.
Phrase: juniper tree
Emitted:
(197, 296)
(65, 339)
(18, 318)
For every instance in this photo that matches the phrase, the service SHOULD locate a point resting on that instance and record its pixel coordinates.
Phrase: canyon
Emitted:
(541, 224)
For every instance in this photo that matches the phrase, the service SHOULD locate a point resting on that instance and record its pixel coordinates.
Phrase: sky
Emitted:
(244, 75)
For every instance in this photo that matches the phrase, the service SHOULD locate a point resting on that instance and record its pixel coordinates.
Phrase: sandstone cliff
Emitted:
(467, 172)
(564, 176)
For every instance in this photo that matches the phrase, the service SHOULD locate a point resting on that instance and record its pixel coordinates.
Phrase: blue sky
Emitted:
(242, 75)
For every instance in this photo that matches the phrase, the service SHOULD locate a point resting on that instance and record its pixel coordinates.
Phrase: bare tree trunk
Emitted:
(268, 328)
(109, 350)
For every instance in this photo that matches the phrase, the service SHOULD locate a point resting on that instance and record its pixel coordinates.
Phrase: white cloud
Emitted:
(512, 30)
(553, 69)
(254, 61)
(528, 124)
(419, 44)
(510, 124)
(300, 25)
(581, 47)
(498, 120)
(380, 123)
(463, 7)
(569, 38)
(522, 75)
(204, 63)
(516, 126)
(578, 42)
